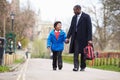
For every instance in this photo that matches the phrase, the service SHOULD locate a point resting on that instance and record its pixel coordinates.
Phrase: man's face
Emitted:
(76, 10)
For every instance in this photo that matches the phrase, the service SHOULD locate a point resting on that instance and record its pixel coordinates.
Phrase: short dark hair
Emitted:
(55, 24)
(77, 6)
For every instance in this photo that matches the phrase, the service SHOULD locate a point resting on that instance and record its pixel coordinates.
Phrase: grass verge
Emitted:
(69, 59)
(8, 68)
(110, 68)
(4, 68)
(19, 61)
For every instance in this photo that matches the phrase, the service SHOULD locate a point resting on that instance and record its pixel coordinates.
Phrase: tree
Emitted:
(113, 7)
(102, 35)
(4, 6)
(24, 23)
(104, 23)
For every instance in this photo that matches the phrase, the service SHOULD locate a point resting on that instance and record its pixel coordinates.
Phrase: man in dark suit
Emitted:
(80, 32)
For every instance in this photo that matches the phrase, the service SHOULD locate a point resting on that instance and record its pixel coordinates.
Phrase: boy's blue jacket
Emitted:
(56, 44)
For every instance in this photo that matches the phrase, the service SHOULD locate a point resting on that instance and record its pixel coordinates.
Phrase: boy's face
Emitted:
(58, 27)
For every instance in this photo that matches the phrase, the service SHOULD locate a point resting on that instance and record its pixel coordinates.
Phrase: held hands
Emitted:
(67, 41)
(89, 42)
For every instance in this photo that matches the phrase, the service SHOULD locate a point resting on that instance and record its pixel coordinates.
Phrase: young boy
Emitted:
(55, 42)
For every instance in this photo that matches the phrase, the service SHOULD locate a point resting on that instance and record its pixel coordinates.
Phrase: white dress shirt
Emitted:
(78, 17)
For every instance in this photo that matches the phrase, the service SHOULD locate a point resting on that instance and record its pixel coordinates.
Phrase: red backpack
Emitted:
(89, 52)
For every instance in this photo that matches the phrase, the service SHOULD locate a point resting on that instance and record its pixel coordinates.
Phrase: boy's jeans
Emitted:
(57, 59)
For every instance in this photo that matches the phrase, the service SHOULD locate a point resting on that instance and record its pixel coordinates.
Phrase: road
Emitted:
(41, 69)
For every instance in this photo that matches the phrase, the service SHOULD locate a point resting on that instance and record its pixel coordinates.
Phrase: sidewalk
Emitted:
(41, 69)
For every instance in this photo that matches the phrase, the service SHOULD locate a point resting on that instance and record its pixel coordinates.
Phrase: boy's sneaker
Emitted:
(54, 69)
(82, 69)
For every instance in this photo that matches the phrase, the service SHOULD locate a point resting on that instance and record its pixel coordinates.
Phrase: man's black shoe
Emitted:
(75, 69)
(60, 68)
(82, 69)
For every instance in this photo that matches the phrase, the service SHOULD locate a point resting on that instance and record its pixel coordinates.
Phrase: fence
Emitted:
(106, 59)
(10, 58)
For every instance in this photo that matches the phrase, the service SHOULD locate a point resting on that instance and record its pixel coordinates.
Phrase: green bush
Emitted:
(39, 49)
(25, 42)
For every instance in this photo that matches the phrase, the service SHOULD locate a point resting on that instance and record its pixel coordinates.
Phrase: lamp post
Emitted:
(12, 18)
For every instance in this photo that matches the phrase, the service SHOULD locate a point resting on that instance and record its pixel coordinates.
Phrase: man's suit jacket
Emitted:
(83, 34)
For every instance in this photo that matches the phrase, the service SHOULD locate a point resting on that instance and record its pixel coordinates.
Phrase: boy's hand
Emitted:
(67, 41)
(49, 50)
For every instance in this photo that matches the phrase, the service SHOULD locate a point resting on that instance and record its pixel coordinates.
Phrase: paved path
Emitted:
(41, 69)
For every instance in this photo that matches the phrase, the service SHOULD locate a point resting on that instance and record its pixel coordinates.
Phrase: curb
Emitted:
(16, 66)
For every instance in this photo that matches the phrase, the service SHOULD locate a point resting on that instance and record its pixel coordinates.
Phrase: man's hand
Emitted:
(90, 42)
(67, 41)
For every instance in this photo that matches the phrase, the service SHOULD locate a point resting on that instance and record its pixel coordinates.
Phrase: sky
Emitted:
(52, 10)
